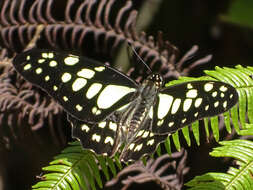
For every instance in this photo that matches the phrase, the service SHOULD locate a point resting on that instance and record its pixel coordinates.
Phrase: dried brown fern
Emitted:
(82, 22)
(156, 171)
(22, 104)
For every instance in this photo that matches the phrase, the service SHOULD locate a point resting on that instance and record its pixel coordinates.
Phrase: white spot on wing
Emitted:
(113, 126)
(160, 122)
(47, 78)
(192, 93)
(71, 60)
(214, 94)
(145, 134)
(198, 102)
(27, 67)
(165, 102)
(206, 107)
(41, 60)
(208, 86)
(223, 88)
(187, 104)
(138, 147)
(102, 124)
(79, 108)
(216, 104)
(86, 73)
(50, 55)
(98, 112)
(225, 104)
(171, 124)
(175, 106)
(109, 139)
(28, 57)
(65, 98)
(78, 84)
(66, 77)
(96, 137)
(111, 94)
(99, 69)
(47, 55)
(131, 146)
(53, 63)
(140, 133)
(85, 128)
(38, 70)
(95, 111)
(44, 55)
(55, 88)
(151, 142)
(189, 86)
(93, 90)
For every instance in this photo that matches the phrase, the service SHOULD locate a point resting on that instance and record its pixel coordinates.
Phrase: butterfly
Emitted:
(108, 110)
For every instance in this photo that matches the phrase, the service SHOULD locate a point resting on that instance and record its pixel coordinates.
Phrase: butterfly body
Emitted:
(107, 109)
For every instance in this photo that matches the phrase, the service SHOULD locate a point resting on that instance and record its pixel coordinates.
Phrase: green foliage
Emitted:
(76, 168)
(240, 13)
(236, 178)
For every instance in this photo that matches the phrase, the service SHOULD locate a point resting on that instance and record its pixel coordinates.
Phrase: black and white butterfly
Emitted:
(107, 109)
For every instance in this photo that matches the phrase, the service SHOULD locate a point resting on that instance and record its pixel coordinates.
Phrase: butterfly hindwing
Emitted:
(182, 104)
(99, 137)
(86, 89)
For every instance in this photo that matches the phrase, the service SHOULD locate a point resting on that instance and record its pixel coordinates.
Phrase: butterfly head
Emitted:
(156, 79)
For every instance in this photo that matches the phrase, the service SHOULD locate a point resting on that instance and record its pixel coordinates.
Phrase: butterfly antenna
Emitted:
(133, 49)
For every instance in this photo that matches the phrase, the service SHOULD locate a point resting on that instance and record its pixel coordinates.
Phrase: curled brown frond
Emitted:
(21, 104)
(82, 24)
(156, 171)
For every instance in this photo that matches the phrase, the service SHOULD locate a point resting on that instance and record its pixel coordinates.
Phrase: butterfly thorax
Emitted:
(139, 112)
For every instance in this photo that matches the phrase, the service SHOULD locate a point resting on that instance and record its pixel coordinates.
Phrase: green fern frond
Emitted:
(240, 115)
(76, 169)
(235, 178)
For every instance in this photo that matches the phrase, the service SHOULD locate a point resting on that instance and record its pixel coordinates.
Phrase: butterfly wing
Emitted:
(182, 104)
(99, 137)
(86, 89)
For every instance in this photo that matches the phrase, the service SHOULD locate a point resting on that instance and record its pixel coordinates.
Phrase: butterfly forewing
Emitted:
(87, 90)
(182, 104)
